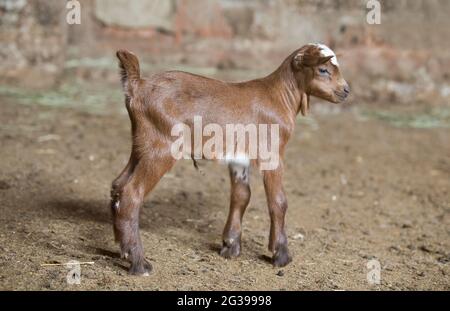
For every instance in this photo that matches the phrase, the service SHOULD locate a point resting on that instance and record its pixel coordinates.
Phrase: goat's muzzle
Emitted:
(343, 93)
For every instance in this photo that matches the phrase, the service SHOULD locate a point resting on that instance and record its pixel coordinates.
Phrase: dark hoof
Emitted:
(141, 268)
(281, 257)
(230, 250)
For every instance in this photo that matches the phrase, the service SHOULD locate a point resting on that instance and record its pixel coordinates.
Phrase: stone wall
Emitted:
(32, 41)
(403, 59)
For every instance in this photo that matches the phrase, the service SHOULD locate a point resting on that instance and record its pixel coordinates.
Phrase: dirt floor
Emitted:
(360, 187)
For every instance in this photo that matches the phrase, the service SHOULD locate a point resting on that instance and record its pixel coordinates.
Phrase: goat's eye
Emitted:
(324, 71)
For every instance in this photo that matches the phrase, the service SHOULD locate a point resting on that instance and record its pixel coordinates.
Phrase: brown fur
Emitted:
(156, 104)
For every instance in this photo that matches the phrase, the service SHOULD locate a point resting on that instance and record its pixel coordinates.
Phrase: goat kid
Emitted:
(155, 105)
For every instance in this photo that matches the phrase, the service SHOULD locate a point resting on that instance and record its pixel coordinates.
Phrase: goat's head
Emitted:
(317, 71)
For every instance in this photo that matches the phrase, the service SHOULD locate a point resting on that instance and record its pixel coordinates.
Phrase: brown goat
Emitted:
(156, 105)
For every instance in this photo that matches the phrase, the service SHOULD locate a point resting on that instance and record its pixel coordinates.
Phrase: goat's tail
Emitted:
(129, 70)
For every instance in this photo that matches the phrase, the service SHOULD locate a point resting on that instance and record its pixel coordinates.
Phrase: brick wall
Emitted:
(32, 41)
(404, 59)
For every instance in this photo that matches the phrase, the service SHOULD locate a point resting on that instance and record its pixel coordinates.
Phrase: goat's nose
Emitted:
(347, 89)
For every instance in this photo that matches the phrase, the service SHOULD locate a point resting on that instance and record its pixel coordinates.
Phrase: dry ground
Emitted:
(358, 189)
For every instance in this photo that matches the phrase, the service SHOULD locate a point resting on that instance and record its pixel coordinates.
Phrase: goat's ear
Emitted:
(309, 60)
(297, 62)
(323, 59)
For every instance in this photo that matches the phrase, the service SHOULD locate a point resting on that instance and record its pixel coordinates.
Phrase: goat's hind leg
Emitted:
(131, 193)
(118, 184)
(240, 197)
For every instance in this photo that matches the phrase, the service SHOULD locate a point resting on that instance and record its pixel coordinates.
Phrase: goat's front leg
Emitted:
(240, 197)
(277, 203)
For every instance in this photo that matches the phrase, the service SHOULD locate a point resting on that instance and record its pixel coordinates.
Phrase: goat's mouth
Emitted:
(340, 96)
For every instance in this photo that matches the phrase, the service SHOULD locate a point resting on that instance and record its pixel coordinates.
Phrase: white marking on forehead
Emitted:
(326, 51)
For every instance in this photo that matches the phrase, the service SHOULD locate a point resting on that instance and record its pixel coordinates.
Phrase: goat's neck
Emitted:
(285, 87)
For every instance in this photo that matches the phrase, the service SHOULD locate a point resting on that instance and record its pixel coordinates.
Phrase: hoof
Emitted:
(281, 257)
(141, 268)
(231, 250)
